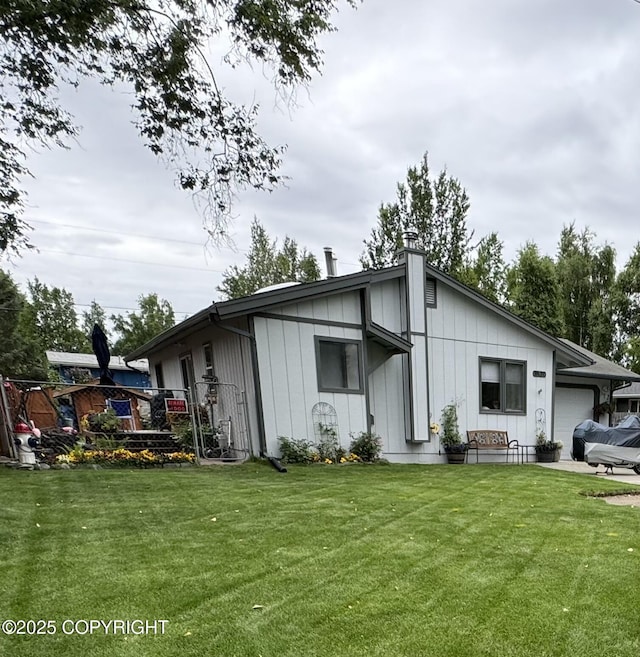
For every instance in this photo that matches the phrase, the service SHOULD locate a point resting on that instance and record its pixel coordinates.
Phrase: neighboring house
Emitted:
(81, 368)
(626, 402)
(387, 350)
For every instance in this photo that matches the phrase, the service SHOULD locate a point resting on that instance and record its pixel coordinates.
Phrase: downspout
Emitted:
(250, 335)
(554, 364)
(365, 318)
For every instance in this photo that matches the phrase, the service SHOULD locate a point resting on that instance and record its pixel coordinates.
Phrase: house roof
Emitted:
(600, 368)
(574, 356)
(90, 361)
(630, 391)
(263, 300)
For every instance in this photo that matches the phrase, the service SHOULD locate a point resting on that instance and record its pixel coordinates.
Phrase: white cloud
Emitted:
(531, 105)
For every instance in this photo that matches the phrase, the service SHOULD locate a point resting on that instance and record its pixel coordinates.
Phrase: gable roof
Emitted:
(600, 368)
(260, 301)
(630, 391)
(224, 310)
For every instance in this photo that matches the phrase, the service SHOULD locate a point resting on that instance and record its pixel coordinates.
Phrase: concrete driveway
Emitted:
(620, 474)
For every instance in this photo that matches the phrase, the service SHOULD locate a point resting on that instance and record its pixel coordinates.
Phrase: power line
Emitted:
(133, 262)
(139, 235)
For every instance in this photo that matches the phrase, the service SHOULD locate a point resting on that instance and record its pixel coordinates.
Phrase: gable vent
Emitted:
(430, 292)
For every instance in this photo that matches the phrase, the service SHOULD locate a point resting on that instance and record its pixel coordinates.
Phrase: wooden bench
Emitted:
(492, 441)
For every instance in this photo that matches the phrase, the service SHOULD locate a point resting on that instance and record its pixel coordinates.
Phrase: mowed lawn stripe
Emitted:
(342, 560)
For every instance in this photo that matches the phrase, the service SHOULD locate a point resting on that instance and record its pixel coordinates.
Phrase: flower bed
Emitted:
(123, 457)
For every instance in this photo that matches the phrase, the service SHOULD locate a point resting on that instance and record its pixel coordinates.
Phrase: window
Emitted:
(622, 405)
(186, 369)
(159, 375)
(502, 386)
(208, 360)
(339, 365)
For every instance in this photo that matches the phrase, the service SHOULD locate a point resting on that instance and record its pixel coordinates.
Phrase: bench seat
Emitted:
(492, 441)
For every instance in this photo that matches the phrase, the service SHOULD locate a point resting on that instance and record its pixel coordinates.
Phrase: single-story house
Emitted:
(384, 351)
(626, 401)
(80, 368)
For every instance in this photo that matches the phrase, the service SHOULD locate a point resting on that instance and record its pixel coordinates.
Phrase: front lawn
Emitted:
(342, 560)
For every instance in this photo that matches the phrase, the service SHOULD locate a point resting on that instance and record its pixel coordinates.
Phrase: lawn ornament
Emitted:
(25, 442)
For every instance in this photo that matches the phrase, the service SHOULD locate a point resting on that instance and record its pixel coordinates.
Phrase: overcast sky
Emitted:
(534, 105)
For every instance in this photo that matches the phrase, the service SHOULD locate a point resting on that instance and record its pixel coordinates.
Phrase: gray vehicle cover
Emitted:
(596, 443)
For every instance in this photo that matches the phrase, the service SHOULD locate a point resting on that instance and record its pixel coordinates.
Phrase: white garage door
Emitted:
(573, 405)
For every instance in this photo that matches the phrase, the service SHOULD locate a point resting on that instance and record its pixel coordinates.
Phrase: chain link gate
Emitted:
(222, 422)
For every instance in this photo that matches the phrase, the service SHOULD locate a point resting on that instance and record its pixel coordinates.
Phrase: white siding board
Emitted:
(386, 305)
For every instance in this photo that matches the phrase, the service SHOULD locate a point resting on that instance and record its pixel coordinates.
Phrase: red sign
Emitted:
(176, 405)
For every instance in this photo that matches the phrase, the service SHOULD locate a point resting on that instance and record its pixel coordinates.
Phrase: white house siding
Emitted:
(337, 308)
(386, 374)
(288, 376)
(386, 305)
(387, 398)
(231, 364)
(460, 333)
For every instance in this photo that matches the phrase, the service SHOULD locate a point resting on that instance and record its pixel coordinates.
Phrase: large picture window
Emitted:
(502, 386)
(339, 365)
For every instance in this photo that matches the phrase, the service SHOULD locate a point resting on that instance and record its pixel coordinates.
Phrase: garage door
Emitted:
(573, 405)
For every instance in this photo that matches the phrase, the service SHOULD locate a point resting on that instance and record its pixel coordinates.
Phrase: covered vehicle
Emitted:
(609, 446)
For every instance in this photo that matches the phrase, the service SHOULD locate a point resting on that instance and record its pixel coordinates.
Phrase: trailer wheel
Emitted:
(636, 469)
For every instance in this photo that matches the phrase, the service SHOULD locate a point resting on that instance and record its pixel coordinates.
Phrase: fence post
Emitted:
(6, 426)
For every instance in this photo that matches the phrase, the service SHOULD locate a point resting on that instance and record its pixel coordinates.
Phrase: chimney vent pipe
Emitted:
(330, 262)
(410, 239)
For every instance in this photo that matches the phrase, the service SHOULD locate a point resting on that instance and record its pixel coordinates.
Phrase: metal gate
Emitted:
(222, 422)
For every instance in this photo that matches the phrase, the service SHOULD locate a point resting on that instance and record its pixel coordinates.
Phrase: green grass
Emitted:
(359, 560)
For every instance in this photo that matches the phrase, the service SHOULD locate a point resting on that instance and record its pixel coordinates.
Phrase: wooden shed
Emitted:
(86, 399)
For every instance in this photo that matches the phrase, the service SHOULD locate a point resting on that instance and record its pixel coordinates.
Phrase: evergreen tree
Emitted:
(626, 306)
(533, 290)
(436, 209)
(21, 353)
(135, 329)
(586, 275)
(52, 311)
(486, 270)
(268, 265)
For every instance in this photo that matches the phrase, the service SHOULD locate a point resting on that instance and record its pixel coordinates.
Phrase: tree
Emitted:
(626, 306)
(95, 315)
(154, 47)
(134, 330)
(435, 209)
(486, 271)
(53, 313)
(586, 275)
(21, 354)
(533, 290)
(268, 265)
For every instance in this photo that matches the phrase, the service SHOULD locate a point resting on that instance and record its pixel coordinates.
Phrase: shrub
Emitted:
(366, 446)
(295, 451)
(328, 448)
(105, 422)
(451, 439)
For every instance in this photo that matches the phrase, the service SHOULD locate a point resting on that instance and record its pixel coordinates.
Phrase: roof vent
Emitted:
(331, 262)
